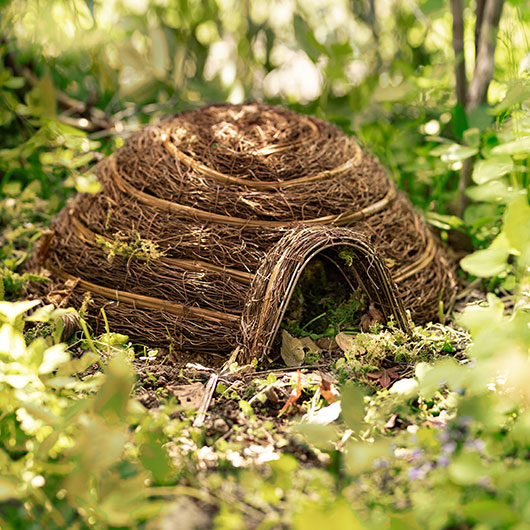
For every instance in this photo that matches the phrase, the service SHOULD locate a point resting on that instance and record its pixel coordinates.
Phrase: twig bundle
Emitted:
(206, 220)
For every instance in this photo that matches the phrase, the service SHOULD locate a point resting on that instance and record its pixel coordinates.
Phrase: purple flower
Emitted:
(442, 461)
(477, 445)
(419, 473)
(465, 421)
(380, 463)
(449, 447)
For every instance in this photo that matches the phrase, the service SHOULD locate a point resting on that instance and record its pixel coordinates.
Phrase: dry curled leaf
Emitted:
(190, 396)
(328, 390)
(292, 350)
(310, 345)
(345, 342)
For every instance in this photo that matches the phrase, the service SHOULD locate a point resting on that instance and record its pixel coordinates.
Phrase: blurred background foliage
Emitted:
(380, 69)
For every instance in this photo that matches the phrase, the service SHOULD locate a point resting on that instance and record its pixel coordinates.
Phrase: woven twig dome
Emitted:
(210, 216)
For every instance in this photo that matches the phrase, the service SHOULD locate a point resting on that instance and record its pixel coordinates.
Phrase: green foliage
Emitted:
(130, 246)
(73, 451)
(447, 447)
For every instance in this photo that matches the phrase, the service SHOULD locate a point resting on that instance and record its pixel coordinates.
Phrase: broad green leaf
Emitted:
(285, 464)
(15, 82)
(516, 147)
(432, 6)
(12, 342)
(447, 372)
(480, 118)
(113, 397)
(492, 168)
(120, 497)
(486, 263)
(494, 191)
(155, 458)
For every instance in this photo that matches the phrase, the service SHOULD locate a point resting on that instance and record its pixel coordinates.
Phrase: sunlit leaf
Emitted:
(516, 147)
(486, 263)
(492, 168)
(518, 93)
(494, 191)
(87, 184)
(53, 358)
(10, 311)
(306, 38)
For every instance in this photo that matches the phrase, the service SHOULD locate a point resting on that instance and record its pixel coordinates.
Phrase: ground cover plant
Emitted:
(373, 428)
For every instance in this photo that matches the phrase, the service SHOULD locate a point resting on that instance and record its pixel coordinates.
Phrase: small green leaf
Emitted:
(87, 184)
(478, 318)
(53, 357)
(306, 39)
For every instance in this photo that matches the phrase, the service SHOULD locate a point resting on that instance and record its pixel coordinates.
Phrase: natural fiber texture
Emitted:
(206, 220)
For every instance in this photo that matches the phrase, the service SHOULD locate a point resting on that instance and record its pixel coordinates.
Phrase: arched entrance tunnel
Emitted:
(339, 254)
